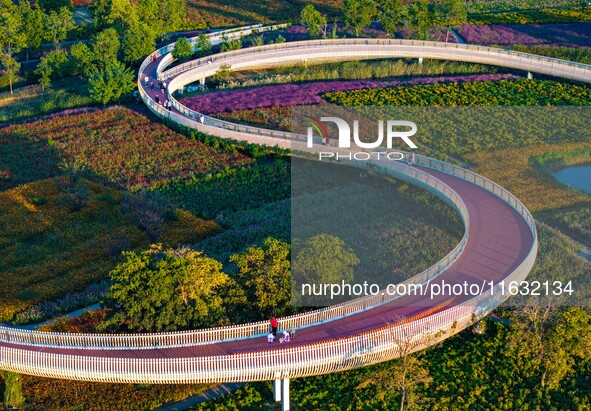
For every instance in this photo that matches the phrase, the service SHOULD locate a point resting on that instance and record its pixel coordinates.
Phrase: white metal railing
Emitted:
(215, 38)
(311, 359)
(407, 48)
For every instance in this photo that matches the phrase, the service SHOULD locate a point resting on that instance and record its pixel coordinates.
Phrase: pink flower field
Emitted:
(569, 35)
(282, 95)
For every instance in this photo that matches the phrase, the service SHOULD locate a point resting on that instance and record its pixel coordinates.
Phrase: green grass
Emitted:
(223, 13)
(32, 101)
(576, 221)
(486, 93)
(354, 70)
(50, 247)
(541, 16)
(405, 230)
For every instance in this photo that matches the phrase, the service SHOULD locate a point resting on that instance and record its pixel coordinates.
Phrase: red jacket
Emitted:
(274, 322)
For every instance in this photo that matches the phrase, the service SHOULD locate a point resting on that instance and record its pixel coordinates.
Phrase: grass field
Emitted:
(116, 144)
(513, 169)
(49, 249)
(32, 101)
(224, 13)
(65, 226)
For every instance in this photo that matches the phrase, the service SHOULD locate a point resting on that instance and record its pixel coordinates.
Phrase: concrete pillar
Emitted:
(202, 81)
(285, 394)
(530, 75)
(277, 390)
(420, 60)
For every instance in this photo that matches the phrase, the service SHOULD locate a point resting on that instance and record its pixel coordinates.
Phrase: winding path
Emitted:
(500, 243)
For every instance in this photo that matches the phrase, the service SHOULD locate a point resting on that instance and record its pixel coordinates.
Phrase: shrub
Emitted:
(111, 84)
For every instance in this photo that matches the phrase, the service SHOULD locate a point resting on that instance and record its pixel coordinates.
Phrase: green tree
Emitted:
(421, 18)
(57, 25)
(13, 395)
(231, 44)
(313, 20)
(223, 74)
(111, 84)
(392, 15)
(138, 41)
(55, 5)
(173, 15)
(257, 41)
(163, 16)
(264, 272)
(123, 13)
(203, 44)
(82, 59)
(553, 338)
(105, 48)
(183, 49)
(323, 259)
(33, 28)
(403, 377)
(119, 14)
(333, 32)
(44, 71)
(165, 290)
(12, 38)
(100, 10)
(149, 14)
(11, 68)
(359, 13)
(59, 63)
(409, 371)
(454, 13)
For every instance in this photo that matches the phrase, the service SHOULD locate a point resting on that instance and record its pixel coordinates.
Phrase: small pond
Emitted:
(578, 177)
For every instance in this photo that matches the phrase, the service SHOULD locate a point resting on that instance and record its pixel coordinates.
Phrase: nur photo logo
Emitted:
(388, 130)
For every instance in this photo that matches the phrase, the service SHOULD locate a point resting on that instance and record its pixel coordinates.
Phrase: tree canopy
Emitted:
(166, 289)
(12, 38)
(111, 83)
(313, 20)
(183, 49)
(264, 273)
(392, 15)
(359, 13)
(57, 25)
(323, 259)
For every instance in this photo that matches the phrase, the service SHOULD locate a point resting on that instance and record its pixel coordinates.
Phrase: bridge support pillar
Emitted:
(530, 75)
(277, 390)
(420, 60)
(202, 81)
(285, 394)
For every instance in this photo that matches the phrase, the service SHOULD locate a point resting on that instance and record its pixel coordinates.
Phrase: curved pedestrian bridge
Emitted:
(500, 243)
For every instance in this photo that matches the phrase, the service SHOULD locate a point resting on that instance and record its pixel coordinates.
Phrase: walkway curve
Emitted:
(500, 244)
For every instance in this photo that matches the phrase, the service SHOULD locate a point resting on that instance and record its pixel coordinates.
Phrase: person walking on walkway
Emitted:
(146, 80)
(274, 325)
